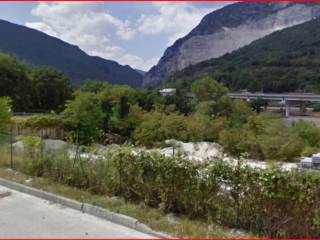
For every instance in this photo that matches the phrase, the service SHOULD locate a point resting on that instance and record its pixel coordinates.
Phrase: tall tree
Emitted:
(84, 117)
(51, 88)
(206, 89)
(14, 82)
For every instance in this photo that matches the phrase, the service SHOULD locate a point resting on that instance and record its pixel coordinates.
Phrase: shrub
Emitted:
(308, 132)
(5, 111)
(83, 118)
(157, 127)
(271, 202)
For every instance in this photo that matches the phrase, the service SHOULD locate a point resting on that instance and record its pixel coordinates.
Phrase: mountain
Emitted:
(140, 71)
(38, 48)
(228, 29)
(284, 61)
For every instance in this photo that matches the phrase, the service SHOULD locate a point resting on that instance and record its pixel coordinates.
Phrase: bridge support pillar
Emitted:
(287, 109)
(302, 108)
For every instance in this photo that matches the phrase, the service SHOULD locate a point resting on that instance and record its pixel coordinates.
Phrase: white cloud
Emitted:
(175, 18)
(89, 27)
(79, 17)
(98, 32)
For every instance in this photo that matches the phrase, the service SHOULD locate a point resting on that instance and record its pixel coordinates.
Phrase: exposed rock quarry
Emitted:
(228, 29)
(199, 151)
(49, 145)
(202, 151)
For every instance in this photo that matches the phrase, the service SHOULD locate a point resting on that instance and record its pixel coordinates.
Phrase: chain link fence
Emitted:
(7, 140)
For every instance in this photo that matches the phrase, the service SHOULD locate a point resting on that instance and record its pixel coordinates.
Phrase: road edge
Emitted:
(90, 209)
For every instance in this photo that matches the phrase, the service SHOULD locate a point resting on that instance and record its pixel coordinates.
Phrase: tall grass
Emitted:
(270, 202)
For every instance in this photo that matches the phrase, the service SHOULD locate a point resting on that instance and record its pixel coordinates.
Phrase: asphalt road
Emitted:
(25, 216)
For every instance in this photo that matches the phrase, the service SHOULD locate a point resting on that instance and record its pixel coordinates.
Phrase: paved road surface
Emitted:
(22, 215)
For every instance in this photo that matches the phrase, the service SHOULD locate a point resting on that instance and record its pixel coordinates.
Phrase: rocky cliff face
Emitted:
(228, 29)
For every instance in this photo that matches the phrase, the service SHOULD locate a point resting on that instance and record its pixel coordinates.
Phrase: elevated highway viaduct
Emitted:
(286, 99)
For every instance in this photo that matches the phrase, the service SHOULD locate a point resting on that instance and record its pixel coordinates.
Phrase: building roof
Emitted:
(168, 90)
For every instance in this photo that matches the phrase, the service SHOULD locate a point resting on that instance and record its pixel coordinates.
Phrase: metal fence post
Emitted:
(11, 146)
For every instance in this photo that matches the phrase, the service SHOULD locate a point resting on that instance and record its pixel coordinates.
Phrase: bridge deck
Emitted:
(304, 97)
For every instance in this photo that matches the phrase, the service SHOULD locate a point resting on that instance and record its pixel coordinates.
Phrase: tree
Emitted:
(5, 111)
(205, 108)
(156, 127)
(206, 89)
(230, 139)
(240, 113)
(51, 88)
(15, 82)
(150, 130)
(119, 112)
(203, 128)
(216, 108)
(308, 132)
(258, 104)
(94, 86)
(84, 117)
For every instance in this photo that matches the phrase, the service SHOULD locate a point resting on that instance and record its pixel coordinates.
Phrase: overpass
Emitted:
(284, 98)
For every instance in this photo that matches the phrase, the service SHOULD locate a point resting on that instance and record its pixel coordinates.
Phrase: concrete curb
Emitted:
(85, 208)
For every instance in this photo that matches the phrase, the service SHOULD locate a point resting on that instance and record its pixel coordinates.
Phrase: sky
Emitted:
(131, 33)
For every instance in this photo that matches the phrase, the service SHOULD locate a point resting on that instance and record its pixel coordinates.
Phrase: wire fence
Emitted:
(12, 149)
(7, 140)
(18, 145)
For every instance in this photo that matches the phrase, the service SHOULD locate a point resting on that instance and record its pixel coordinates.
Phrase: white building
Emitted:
(168, 92)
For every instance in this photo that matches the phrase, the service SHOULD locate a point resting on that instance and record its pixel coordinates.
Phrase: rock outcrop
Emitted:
(228, 29)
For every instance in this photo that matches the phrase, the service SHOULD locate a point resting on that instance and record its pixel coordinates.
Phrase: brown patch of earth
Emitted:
(5, 194)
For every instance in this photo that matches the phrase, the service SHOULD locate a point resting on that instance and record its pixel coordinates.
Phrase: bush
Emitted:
(5, 111)
(266, 138)
(270, 202)
(83, 118)
(308, 132)
(157, 127)
(203, 128)
(316, 107)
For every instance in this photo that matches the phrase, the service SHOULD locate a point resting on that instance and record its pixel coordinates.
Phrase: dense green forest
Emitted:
(38, 48)
(32, 89)
(104, 113)
(258, 199)
(284, 61)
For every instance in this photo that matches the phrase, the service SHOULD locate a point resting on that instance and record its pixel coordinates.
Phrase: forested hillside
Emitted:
(285, 61)
(40, 49)
(227, 29)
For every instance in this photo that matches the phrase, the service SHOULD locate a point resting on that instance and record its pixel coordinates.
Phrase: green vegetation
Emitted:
(284, 61)
(105, 113)
(51, 88)
(268, 202)
(40, 49)
(32, 88)
(153, 217)
(5, 111)
(84, 117)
